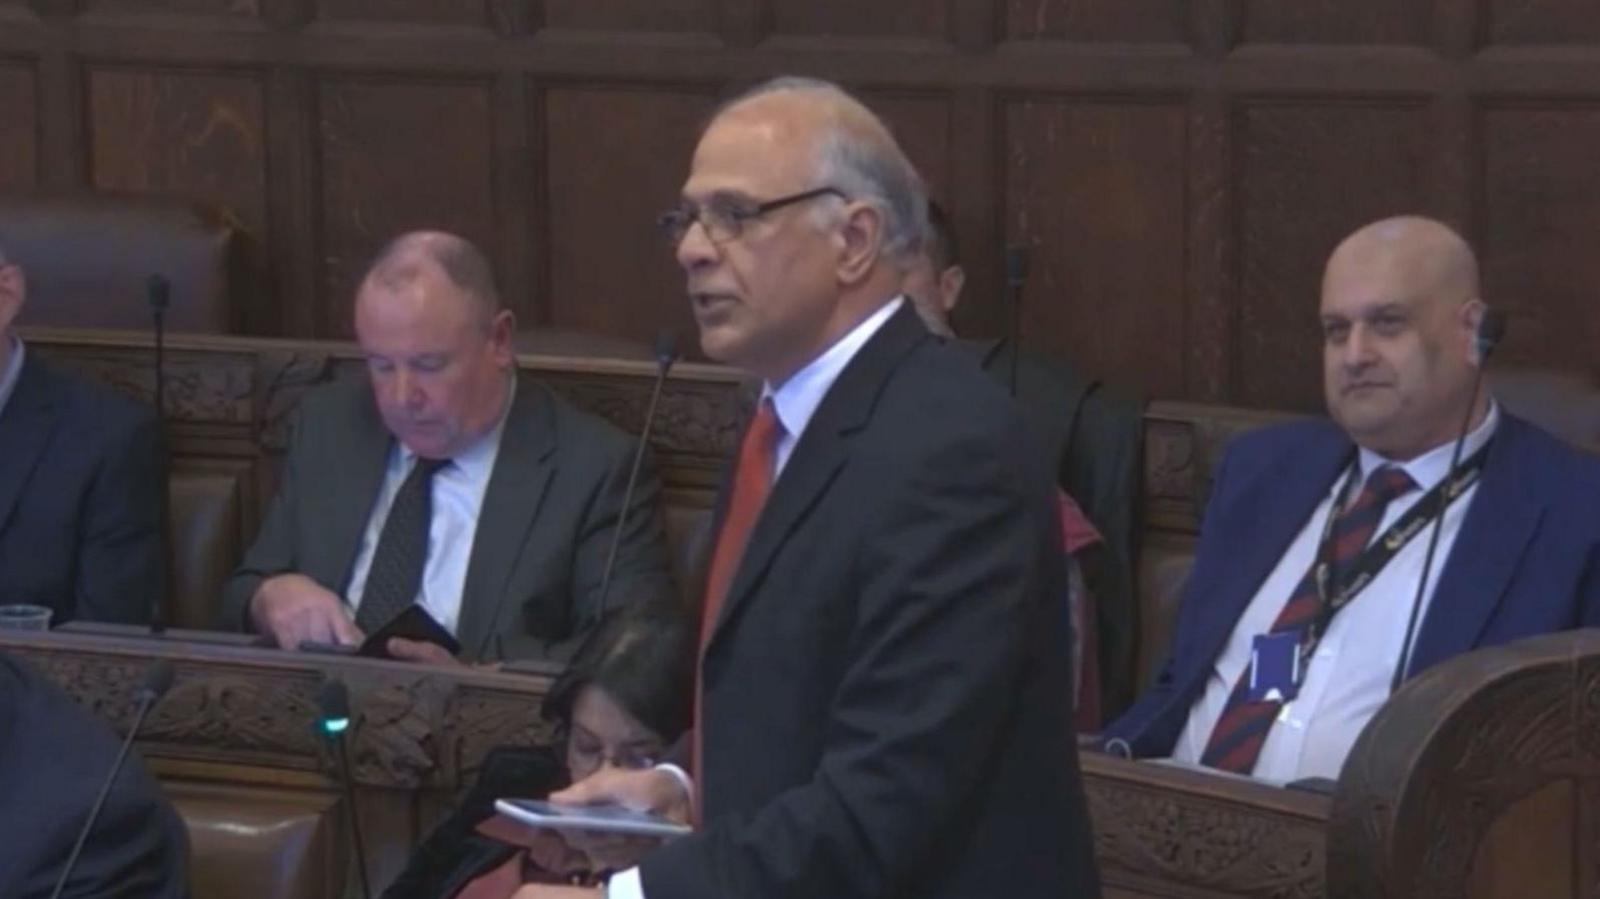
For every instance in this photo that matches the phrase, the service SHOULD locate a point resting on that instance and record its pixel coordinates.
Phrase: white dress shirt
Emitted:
(457, 496)
(1348, 676)
(12, 374)
(795, 401)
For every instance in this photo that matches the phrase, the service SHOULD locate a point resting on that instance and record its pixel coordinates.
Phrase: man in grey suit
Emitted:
(447, 480)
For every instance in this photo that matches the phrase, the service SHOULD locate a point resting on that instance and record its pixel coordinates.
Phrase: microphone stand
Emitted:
(156, 683)
(333, 700)
(159, 292)
(666, 354)
(1016, 277)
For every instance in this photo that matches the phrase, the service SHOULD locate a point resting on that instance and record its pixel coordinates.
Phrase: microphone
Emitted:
(157, 681)
(666, 352)
(1491, 329)
(158, 292)
(1016, 278)
(333, 706)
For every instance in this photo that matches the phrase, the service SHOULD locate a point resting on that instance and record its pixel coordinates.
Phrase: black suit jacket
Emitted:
(81, 473)
(1093, 436)
(886, 706)
(533, 576)
(54, 756)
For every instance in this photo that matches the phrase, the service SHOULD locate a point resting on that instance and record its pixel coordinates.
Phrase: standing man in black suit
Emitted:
(445, 479)
(81, 472)
(884, 691)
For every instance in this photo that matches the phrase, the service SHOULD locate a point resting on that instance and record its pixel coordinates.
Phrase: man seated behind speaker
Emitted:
(81, 470)
(54, 758)
(1518, 548)
(446, 479)
(1092, 442)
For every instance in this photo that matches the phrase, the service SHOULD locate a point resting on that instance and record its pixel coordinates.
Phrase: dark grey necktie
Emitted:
(396, 572)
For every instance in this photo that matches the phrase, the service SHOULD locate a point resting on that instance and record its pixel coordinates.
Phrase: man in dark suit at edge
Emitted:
(54, 757)
(445, 479)
(884, 686)
(81, 474)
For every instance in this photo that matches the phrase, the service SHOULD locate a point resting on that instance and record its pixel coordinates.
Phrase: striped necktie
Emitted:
(1242, 729)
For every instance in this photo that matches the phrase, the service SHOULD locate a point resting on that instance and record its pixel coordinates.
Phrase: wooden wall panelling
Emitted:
(61, 117)
(616, 157)
(631, 15)
(518, 158)
(1142, 21)
(215, 9)
(1337, 21)
(198, 134)
(422, 13)
(1096, 187)
(398, 152)
(1211, 274)
(1542, 227)
(292, 230)
(1308, 173)
(921, 125)
(1541, 22)
(19, 140)
(880, 18)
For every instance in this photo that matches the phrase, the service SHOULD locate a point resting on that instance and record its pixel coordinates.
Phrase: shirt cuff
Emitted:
(682, 776)
(625, 885)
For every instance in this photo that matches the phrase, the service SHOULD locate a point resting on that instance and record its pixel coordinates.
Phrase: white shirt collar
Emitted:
(797, 400)
(1431, 467)
(476, 460)
(13, 372)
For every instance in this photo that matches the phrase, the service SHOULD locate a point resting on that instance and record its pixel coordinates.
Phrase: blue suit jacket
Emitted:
(81, 474)
(1526, 561)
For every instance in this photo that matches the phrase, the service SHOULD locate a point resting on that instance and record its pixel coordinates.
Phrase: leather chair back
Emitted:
(89, 257)
(258, 844)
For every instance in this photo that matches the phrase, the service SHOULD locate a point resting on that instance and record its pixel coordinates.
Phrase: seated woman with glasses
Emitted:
(624, 698)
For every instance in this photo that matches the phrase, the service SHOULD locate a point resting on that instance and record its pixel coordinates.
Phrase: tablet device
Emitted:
(412, 624)
(332, 649)
(597, 818)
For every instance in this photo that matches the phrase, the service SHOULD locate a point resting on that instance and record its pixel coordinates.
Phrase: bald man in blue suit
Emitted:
(1519, 547)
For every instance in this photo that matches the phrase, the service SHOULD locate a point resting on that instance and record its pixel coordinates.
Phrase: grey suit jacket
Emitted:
(533, 577)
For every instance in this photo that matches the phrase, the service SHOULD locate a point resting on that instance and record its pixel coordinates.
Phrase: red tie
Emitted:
(752, 481)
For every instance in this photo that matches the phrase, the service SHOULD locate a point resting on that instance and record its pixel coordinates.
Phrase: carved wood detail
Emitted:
(1147, 836)
(202, 387)
(412, 728)
(1452, 752)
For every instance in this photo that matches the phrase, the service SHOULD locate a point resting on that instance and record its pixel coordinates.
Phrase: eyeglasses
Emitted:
(585, 757)
(724, 219)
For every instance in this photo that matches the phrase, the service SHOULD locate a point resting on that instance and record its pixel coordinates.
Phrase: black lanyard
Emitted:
(1382, 551)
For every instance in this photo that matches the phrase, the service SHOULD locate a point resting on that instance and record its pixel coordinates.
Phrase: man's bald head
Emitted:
(437, 343)
(1430, 254)
(1400, 309)
(419, 254)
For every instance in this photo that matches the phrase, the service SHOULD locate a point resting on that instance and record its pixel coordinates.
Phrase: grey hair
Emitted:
(865, 170)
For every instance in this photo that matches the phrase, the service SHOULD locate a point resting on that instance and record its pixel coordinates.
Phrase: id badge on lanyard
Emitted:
(1275, 667)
